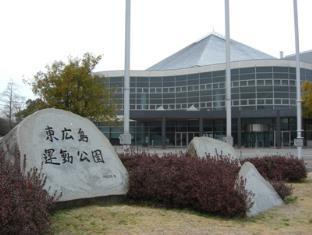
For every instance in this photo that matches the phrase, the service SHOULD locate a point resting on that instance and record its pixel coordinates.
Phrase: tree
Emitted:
(11, 102)
(31, 107)
(307, 99)
(75, 88)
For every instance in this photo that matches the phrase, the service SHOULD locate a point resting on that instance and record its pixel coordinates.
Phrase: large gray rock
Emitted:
(76, 157)
(265, 196)
(206, 146)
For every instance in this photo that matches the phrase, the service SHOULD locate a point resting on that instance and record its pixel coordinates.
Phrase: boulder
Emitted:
(206, 146)
(265, 196)
(77, 159)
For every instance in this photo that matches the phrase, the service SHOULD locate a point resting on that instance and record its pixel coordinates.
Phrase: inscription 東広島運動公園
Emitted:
(62, 156)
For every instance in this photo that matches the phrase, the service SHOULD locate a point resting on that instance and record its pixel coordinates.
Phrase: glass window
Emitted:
(235, 90)
(247, 70)
(247, 76)
(183, 89)
(215, 85)
(247, 95)
(234, 72)
(285, 101)
(236, 102)
(169, 95)
(260, 101)
(277, 82)
(264, 75)
(243, 102)
(285, 82)
(265, 95)
(264, 69)
(251, 83)
(281, 88)
(247, 89)
(208, 86)
(243, 83)
(281, 95)
(264, 89)
(268, 82)
(252, 102)
(178, 89)
(280, 75)
(165, 89)
(277, 101)
(171, 89)
(158, 90)
(202, 87)
(181, 100)
(268, 101)
(280, 69)
(260, 82)
(292, 83)
(236, 84)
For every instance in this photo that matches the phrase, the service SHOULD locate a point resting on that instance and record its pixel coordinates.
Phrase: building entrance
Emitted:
(182, 139)
(286, 138)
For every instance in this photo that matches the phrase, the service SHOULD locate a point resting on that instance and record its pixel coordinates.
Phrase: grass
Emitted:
(293, 218)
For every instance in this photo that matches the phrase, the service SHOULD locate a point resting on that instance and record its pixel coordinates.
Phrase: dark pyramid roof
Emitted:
(209, 50)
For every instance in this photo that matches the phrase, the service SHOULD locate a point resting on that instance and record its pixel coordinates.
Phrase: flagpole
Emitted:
(125, 138)
(228, 138)
(299, 140)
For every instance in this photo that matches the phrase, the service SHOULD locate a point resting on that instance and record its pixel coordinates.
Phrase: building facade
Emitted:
(184, 96)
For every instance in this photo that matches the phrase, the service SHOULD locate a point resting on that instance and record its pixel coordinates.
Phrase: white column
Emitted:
(125, 138)
(299, 140)
(229, 138)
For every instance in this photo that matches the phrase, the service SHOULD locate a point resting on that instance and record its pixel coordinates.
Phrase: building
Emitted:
(183, 96)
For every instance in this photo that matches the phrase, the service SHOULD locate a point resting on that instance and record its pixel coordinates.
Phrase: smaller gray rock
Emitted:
(206, 146)
(265, 196)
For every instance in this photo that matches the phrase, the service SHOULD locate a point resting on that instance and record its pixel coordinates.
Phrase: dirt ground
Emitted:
(292, 218)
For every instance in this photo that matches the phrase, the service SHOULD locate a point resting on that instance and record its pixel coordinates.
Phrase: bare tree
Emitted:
(11, 102)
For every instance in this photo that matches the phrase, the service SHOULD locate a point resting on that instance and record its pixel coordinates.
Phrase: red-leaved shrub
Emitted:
(279, 168)
(24, 204)
(282, 189)
(208, 185)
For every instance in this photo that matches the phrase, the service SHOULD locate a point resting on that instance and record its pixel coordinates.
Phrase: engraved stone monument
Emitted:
(76, 157)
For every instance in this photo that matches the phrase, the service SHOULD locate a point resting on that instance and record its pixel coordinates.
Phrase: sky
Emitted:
(35, 33)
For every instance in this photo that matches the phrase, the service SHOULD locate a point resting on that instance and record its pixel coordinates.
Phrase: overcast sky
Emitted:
(35, 33)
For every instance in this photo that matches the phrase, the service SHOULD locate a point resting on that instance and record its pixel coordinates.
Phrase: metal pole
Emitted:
(125, 138)
(299, 140)
(229, 138)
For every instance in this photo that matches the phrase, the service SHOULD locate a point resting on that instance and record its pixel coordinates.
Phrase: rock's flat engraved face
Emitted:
(77, 158)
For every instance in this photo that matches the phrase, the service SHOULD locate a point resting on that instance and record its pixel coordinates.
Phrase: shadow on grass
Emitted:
(97, 201)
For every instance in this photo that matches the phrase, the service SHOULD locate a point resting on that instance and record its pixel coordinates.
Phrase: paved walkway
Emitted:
(242, 152)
